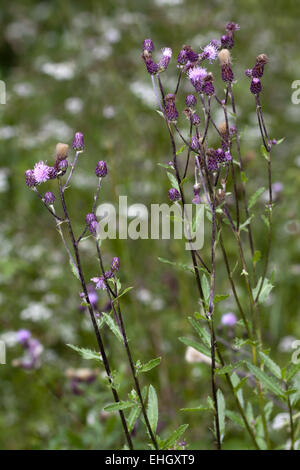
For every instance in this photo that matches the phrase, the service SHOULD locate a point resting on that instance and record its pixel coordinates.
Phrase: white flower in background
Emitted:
(59, 70)
(108, 112)
(280, 421)
(7, 132)
(4, 185)
(74, 105)
(23, 89)
(10, 338)
(144, 92)
(101, 52)
(285, 344)
(112, 35)
(144, 295)
(36, 311)
(55, 128)
(193, 356)
(168, 3)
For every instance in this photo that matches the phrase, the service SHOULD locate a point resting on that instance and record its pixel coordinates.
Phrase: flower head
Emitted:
(255, 86)
(49, 198)
(89, 218)
(191, 101)
(30, 179)
(174, 194)
(100, 282)
(196, 75)
(41, 172)
(210, 52)
(101, 169)
(151, 66)
(115, 264)
(148, 45)
(171, 110)
(231, 26)
(61, 166)
(229, 319)
(23, 336)
(78, 141)
(94, 227)
(165, 59)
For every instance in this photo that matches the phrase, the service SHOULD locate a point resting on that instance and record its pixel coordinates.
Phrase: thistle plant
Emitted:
(209, 153)
(106, 280)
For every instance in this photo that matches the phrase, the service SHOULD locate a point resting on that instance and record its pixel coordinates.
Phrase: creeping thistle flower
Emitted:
(191, 101)
(49, 198)
(187, 54)
(258, 69)
(248, 73)
(148, 45)
(151, 66)
(165, 59)
(229, 319)
(255, 86)
(195, 144)
(115, 264)
(61, 167)
(208, 87)
(210, 52)
(93, 227)
(197, 75)
(195, 119)
(101, 169)
(41, 172)
(52, 172)
(174, 194)
(89, 218)
(62, 151)
(100, 282)
(30, 179)
(220, 155)
(78, 141)
(171, 110)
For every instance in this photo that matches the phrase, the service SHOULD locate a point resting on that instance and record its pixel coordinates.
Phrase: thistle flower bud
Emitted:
(227, 41)
(61, 167)
(173, 194)
(191, 55)
(78, 141)
(248, 73)
(115, 264)
(93, 227)
(30, 179)
(195, 118)
(190, 101)
(227, 73)
(52, 172)
(49, 198)
(101, 169)
(220, 155)
(208, 87)
(195, 144)
(151, 66)
(255, 86)
(171, 110)
(148, 45)
(62, 151)
(89, 218)
(165, 59)
(223, 128)
(224, 57)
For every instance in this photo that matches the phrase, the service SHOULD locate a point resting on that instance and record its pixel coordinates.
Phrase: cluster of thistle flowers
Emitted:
(32, 350)
(43, 172)
(190, 63)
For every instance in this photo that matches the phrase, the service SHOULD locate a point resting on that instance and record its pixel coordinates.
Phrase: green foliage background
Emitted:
(102, 42)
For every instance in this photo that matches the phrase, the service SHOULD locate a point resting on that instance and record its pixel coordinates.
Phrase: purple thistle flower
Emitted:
(228, 319)
(41, 172)
(171, 110)
(23, 336)
(152, 67)
(258, 70)
(93, 227)
(30, 179)
(49, 198)
(227, 41)
(195, 144)
(191, 101)
(101, 169)
(196, 190)
(208, 88)
(61, 166)
(182, 57)
(100, 282)
(165, 59)
(115, 264)
(195, 118)
(216, 43)
(78, 141)
(197, 75)
(148, 45)
(212, 164)
(192, 56)
(220, 155)
(231, 26)
(255, 86)
(248, 73)
(89, 218)
(227, 73)
(52, 172)
(228, 156)
(210, 52)
(173, 194)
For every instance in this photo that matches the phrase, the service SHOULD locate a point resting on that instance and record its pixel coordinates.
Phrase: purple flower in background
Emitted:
(248, 73)
(195, 118)
(197, 75)
(30, 179)
(220, 155)
(89, 218)
(231, 26)
(49, 198)
(210, 52)
(23, 336)
(165, 59)
(208, 87)
(228, 319)
(227, 41)
(115, 264)
(101, 169)
(228, 156)
(148, 45)
(100, 282)
(93, 227)
(255, 86)
(78, 141)
(212, 164)
(174, 194)
(277, 187)
(195, 144)
(191, 101)
(41, 172)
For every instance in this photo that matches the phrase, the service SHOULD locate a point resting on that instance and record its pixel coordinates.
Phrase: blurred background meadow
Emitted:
(76, 66)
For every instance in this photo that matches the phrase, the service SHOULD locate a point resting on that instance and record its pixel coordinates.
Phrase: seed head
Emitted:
(224, 57)
(62, 151)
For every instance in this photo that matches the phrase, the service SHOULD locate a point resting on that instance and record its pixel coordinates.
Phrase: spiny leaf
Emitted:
(168, 443)
(185, 267)
(194, 344)
(201, 330)
(255, 197)
(173, 181)
(221, 412)
(152, 408)
(86, 353)
(122, 293)
(149, 365)
(112, 325)
(265, 290)
(271, 365)
(133, 416)
(74, 270)
(121, 405)
(269, 382)
(292, 371)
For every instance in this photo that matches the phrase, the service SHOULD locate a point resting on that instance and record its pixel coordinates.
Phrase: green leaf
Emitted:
(221, 412)
(255, 197)
(201, 330)
(244, 177)
(229, 368)
(292, 371)
(205, 287)
(121, 405)
(112, 325)
(168, 443)
(247, 222)
(270, 383)
(185, 267)
(256, 257)
(173, 181)
(194, 344)
(271, 365)
(152, 408)
(234, 417)
(149, 365)
(266, 221)
(133, 416)
(179, 151)
(265, 291)
(264, 152)
(86, 353)
(197, 408)
(220, 297)
(74, 270)
(122, 293)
